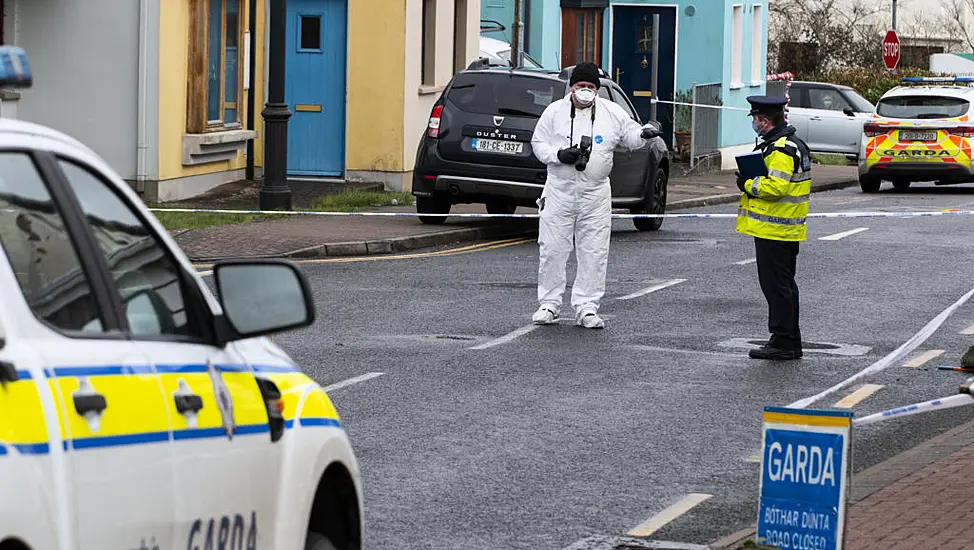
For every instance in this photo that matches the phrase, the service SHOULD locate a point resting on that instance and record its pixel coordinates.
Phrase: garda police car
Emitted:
(138, 411)
(921, 131)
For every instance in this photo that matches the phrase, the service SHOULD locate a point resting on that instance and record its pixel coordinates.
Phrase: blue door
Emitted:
(316, 59)
(632, 57)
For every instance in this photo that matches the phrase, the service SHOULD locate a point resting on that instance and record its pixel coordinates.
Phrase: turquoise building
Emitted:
(722, 43)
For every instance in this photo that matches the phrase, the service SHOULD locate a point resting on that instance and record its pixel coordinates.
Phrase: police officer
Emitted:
(772, 209)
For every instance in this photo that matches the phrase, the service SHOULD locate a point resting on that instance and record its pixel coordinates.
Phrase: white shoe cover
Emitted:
(591, 320)
(544, 316)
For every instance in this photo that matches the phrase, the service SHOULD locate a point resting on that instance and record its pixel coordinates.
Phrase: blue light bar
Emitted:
(14, 68)
(937, 79)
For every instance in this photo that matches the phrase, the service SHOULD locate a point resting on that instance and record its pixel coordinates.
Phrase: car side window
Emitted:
(620, 99)
(827, 99)
(798, 97)
(604, 93)
(147, 278)
(40, 249)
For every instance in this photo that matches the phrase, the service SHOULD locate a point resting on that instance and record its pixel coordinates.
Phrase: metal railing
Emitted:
(704, 121)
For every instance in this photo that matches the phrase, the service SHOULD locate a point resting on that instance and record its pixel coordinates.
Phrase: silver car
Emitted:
(829, 117)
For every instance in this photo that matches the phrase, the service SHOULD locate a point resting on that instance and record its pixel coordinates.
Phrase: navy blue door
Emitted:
(316, 60)
(632, 57)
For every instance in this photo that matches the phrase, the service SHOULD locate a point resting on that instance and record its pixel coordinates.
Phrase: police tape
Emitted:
(818, 115)
(818, 215)
(951, 402)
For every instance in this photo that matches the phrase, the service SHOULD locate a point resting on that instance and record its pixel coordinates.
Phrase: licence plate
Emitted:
(497, 146)
(918, 136)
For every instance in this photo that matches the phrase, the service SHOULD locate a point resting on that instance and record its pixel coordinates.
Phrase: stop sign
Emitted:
(891, 50)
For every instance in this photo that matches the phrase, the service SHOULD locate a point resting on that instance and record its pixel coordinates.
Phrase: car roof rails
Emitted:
(489, 25)
(14, 68)
(566, 73)
(941, 80)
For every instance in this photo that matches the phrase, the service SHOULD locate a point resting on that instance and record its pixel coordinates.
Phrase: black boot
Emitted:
(774, 354)
(967, 361)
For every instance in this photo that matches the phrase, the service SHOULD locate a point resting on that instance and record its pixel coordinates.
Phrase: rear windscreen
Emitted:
(503, 94)
(921, 107)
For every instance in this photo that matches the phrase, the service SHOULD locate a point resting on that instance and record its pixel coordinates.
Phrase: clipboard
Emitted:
(751, 165)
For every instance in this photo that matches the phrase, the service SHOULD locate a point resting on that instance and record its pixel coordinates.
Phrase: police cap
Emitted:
(766, 104)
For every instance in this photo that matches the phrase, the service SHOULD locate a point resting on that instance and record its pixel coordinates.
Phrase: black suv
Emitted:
(477, 147)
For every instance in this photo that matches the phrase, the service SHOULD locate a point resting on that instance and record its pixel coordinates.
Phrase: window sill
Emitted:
(430, 90)
(214, 146)
(756, 83)
(736, 85)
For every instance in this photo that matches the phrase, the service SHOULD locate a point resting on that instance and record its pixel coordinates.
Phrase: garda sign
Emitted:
(804, 478)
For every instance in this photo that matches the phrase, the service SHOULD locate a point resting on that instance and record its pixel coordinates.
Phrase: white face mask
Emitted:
(585, 96)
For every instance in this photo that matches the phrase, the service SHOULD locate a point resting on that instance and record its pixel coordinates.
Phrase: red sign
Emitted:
(891, 50)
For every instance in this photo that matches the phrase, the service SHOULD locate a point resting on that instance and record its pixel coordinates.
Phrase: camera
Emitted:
(584, 151)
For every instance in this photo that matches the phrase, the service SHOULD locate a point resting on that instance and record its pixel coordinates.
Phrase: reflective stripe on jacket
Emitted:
(775, 206)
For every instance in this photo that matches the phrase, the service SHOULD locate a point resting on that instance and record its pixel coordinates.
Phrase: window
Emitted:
(581, 37)
(644, 38)
(146, 278)
(459, 35)
(310, 33)
(620, 99)
(40, 249)
(931, 107)
(215, 81)
(500, 94)
(757, 40)
(428, 62)
(737, 46)
(827, 99)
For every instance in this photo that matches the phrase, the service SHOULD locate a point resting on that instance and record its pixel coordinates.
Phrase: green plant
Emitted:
(684, 113)
(870, 83)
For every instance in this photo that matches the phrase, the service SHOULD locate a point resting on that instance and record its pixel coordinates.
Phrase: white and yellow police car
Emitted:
(137, 410)
(921, 131)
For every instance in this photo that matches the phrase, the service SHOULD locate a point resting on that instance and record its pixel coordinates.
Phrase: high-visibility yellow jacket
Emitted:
(775, 206)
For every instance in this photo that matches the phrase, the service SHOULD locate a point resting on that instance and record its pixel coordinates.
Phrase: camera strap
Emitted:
(571, 136)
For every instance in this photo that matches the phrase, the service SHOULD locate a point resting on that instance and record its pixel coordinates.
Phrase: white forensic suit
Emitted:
(575, 207)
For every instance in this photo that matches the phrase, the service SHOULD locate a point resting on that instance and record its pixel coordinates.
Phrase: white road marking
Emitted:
(350, 381)
(658, 286)
(756, 457)
(857, 396)
(507, 337)
(919, 360)
(672, 512)
(747, 261)
(913, 343)
(843, 235)
(844, 350)
(968, 331)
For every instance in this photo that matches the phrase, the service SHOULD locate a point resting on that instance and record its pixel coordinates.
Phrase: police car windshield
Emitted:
(922, 107)
(504, 93)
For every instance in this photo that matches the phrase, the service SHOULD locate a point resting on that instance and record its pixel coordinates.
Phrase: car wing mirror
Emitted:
(261, 297)
(848, 111)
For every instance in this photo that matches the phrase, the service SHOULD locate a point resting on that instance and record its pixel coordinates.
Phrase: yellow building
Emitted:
(163, 89)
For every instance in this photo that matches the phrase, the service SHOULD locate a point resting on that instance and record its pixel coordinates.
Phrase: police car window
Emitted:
(926, 106)
(827, 99)
(40, 250)
(147, 278)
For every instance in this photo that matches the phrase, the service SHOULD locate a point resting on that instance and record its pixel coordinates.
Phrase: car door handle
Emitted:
(92, 402)
(188, 403)
(816, 118)
(8, 372)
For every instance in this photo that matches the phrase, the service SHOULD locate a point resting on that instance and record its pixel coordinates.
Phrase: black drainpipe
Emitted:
(249, 174)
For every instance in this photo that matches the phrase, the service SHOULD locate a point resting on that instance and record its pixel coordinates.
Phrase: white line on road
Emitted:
(507, 337)
(649, 289)
(913, 343)
(350, 381)
(756, 457)
(968, 331)
(843, 235)
(857, 396)
(919, 360)
(747, 261)
(656, 522)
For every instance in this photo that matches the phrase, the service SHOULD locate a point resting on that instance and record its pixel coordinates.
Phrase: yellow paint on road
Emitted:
(857, 396)
(672, 512)
(919, 360)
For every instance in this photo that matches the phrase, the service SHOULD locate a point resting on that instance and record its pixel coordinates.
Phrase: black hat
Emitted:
(766, 104)
(585, 72)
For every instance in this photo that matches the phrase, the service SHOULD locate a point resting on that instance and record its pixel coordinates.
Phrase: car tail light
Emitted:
(962, 131)
(434, 125)
(871, 129)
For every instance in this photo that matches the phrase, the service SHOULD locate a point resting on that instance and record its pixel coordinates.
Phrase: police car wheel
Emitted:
(317, 541)
(901, 184)
(655, 204)
(870, 184)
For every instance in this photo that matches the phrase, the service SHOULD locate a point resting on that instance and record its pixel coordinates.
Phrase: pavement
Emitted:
(325, 236)
(475, 429)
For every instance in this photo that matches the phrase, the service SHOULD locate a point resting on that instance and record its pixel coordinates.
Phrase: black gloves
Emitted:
(648, 133)
(741, 180)
(569, 155)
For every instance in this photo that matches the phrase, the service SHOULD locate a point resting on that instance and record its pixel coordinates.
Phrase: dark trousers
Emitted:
(776, 271)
